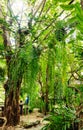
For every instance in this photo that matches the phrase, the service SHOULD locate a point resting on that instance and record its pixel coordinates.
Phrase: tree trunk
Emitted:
(11, 110)
(12, 93)
(47, 91)
(46, 102)
(12, 86)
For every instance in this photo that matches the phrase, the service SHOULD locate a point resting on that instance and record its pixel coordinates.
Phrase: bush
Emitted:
(61, 119)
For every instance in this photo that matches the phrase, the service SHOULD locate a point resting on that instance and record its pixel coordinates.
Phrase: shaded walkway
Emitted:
(31, 118)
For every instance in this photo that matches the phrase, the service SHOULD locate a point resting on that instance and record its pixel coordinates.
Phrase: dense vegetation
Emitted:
(41, 55)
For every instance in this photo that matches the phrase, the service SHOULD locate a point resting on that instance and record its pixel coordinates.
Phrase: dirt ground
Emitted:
(31, 117)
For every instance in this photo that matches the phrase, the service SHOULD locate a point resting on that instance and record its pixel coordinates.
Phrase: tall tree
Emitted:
(16, 60)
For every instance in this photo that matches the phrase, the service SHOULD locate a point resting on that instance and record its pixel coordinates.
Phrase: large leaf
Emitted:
(67, 7)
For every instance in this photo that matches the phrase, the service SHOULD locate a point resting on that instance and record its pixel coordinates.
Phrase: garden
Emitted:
(41, 64)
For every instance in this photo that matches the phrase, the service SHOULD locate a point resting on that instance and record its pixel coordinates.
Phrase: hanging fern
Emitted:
(60, 31)
(24, 62)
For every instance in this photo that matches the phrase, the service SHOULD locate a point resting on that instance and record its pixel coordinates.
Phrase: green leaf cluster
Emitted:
(61, 119)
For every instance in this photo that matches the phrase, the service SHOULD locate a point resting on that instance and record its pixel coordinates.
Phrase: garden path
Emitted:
(31, 117)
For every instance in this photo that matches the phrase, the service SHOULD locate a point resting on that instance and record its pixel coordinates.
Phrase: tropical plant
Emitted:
(61, 119)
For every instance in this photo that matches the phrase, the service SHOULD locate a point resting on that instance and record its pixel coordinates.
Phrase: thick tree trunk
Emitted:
(12, 86)
(11, 111)
(11, 106)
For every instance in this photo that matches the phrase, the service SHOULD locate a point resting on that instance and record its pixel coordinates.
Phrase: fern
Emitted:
(60, 120)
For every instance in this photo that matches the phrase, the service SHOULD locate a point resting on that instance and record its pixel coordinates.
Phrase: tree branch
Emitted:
(79, 78)
(71, 2)
(34, 13)
(42, 7)
(75, 89)
(46, 28)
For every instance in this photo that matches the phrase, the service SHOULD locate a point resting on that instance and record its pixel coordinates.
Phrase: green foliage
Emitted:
(65, 1)
(67, 7)
(60, 31)
(24, 65)
(4, 23)
(2, 73)
(61, 119)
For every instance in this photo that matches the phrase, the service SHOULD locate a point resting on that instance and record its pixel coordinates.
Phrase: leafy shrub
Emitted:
(61, 119)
